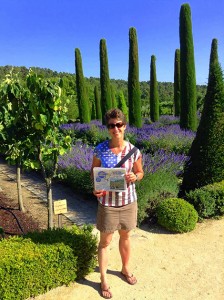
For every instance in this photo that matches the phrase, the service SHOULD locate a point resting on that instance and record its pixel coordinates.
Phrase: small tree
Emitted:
(177, 83)
(154, 95)
(134, 97)
(15, 126)
(30, 119)
(188, 93)
(206, 163)
(83, 101)
(106, 102)
(48, 140)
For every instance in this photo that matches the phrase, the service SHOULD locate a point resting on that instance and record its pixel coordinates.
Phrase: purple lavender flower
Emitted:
(168, 143)
(79, 157)
(164, 160)
(153, 137)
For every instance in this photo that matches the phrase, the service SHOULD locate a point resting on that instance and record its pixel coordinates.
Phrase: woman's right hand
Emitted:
(99, 194)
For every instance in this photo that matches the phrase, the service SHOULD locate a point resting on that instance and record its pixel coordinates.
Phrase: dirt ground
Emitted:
(168, 266)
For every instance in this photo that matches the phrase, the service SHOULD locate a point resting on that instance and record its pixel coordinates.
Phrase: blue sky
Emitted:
(45, 33)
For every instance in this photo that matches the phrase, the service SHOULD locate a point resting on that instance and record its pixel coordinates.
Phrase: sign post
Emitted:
(60, 207)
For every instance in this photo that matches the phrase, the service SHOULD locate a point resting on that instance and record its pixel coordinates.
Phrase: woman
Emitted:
(116, 210)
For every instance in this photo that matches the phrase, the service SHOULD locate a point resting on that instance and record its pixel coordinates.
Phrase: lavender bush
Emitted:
(164, 134)
(80, 157)
(78, 161)
(164, 147)
(74, 167)
(170, 138)
(91, 133)
(161, 159)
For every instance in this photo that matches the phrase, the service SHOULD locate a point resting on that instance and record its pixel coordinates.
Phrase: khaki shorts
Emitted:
(110, 219)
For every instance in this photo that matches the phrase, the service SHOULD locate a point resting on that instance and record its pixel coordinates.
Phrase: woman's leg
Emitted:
(105, 239)
(125, 249)
(125, 252)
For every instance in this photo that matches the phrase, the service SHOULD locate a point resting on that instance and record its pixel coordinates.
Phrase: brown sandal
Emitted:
(130, 278)
(106, 291)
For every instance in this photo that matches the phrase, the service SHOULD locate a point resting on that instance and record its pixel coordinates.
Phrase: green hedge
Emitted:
(79, 239)
(151, 190)
(208, 200)
(34, 264)
(177, 215)
(27, 269)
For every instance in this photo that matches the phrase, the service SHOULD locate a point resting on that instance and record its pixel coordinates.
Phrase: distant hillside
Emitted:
(165, 89)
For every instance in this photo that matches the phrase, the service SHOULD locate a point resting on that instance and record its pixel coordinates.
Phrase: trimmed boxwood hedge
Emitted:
(28, 269)
(177, 215)
(208, 200)
(35, 263)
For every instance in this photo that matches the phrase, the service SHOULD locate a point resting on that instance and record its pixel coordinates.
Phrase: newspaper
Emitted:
(109, 179)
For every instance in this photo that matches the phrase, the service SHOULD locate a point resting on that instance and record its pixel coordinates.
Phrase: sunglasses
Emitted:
(112, 126)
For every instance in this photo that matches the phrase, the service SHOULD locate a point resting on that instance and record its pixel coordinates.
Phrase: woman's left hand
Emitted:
(130, 177)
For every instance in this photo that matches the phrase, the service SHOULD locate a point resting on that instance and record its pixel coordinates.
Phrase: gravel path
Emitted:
(81, 210)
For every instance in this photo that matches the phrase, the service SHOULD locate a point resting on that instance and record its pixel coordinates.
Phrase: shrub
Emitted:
(29, 269)
(92, 133)
(177, 215)
(39, 261)
(179, 143)
(153, 188)
(168, 161)
(206, 163)
(79, 180)
(208, 200)
(166, 120)
(79, 239)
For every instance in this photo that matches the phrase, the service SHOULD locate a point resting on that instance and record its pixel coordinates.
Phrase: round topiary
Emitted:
(177, 215)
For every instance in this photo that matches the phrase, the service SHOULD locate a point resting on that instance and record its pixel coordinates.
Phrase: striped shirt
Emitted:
(109, 160)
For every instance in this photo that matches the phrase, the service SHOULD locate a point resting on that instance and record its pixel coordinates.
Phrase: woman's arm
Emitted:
(96, 163)
(138, 170)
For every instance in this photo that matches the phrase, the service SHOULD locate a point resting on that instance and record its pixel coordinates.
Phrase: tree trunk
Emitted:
(19, 189)
(50, 203)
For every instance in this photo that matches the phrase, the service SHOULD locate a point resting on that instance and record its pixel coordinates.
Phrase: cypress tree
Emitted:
(97, 103)
(206, 163)
(177, 83)
(188, 93)
(113, 97)
(134, 97)
(83, 101)
(106, 103)
(154, 95)
(93, 111)
(213, 56)
(122, 104)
